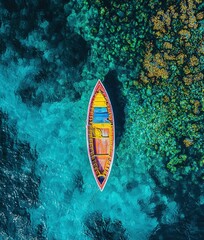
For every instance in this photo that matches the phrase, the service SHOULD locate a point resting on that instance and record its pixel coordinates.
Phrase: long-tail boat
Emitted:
(100, 132)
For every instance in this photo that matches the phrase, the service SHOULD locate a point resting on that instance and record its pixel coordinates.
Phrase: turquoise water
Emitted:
(68, 193)
(49, 65)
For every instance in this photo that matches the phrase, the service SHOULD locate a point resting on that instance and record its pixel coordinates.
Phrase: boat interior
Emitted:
(101, 136)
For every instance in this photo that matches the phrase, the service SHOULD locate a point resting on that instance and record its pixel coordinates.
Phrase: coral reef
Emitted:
(115, 29)
(173, 70)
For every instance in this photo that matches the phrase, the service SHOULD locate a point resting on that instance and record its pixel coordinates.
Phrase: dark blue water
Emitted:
(50, 62)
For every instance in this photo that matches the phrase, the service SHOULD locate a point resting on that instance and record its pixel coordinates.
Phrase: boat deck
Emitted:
(100, 135)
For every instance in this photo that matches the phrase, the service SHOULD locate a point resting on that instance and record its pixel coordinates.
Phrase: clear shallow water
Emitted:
(68, 193)
(47, 187)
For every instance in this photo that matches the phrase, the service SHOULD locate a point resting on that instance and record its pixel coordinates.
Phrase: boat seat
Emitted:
(103, 155)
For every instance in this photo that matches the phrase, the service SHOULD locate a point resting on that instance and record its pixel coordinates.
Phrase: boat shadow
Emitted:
(114, 88)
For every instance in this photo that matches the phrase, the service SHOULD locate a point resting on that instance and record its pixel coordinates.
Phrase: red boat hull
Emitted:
(100, 134)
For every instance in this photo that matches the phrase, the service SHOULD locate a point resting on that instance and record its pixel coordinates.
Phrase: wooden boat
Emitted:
(100, 133)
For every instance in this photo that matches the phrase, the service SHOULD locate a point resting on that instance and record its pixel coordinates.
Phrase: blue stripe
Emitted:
(100, 115)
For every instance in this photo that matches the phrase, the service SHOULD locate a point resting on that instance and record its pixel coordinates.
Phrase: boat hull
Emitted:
(100, 134)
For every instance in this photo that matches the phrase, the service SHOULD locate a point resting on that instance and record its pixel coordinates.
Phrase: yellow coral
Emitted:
(188, 142)
(180, 58)
(167, 18)
(194, 61)
(173, 12)
(187, 13)
(158, 25)
(167, 45)
(183, 10)
(183, 7)
(196, 107)
(157, 65)
(192, 22)
(198, 76)
(154, 71)
(144, 79)
(186, 70)
(200, 16)
(169, 57)
(185, 34)
(188, 80)
(166, 99)
(159, 60)
(187, 44)
(162, 20)
(183, 17)
(195, 127)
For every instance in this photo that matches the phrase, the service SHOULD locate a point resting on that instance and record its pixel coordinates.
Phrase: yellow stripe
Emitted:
(101, 125)
(99, 100)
